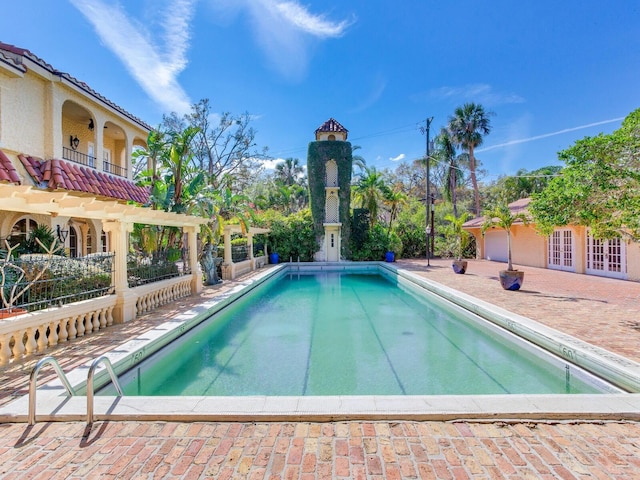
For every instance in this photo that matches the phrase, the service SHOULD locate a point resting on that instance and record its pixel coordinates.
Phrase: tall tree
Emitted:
(468, 126)
(523, 184)
(225, 143)
(289, 171)
(599, 187)
(445, 153)
(394, 199)
(369, 191)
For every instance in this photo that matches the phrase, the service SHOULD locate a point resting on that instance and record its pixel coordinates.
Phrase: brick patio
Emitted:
(601, 311)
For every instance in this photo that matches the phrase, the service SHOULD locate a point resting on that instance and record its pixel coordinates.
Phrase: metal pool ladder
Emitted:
(33, 379)
(90, 375)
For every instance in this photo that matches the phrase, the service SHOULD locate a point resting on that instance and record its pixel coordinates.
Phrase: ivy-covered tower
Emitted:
(329, 166)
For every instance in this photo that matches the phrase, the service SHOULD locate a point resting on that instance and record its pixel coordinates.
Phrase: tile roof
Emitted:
(519, 206)
(57, 174)
(17, 56)
(11, 61)
(8, 173)
(332, 125)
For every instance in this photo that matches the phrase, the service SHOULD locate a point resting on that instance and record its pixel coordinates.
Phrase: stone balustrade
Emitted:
(35, 332)
(156, 294)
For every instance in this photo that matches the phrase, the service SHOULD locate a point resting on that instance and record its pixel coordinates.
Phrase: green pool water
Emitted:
(345, 334)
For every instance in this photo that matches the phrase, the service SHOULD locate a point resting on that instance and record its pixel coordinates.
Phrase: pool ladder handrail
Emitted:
(33, 380)
(90, 375)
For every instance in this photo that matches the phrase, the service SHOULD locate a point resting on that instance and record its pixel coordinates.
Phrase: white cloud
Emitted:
(315, 25)
(478, 93)
(398, 158)
(270, 164)
(154, 59)
(546, 135)
(284, 31)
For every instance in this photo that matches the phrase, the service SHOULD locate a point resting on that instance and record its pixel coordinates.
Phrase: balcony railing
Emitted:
(114, 169)
(78, 157)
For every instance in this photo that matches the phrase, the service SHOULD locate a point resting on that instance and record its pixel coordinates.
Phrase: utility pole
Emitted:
(428, 198)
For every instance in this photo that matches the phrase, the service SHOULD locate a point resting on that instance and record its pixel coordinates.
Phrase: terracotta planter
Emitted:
(11, 312)
(459, 266)
(511, 279)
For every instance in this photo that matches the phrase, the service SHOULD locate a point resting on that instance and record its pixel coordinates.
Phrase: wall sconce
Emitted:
(62, 234)
(74, 142)
(90, 127)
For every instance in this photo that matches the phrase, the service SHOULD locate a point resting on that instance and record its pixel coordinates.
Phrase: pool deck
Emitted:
(601, 311)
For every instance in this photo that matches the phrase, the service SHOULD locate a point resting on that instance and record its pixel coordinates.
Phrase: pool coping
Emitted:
(51, 405)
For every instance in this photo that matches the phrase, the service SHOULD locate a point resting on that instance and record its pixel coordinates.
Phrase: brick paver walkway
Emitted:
(601, 311)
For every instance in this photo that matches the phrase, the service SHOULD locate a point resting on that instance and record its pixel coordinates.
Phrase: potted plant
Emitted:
(501, 217)
(462, 237)
(394, 247)
(14, 281)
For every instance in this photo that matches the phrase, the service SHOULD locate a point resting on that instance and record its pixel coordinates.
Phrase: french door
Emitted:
(562, 250)
(606, 257)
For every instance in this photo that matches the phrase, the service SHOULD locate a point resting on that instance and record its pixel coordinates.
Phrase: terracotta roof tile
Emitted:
(332, 125)
(8, 172)
(61, 175)
(34, 168)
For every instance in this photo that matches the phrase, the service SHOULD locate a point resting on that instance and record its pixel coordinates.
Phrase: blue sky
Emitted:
(552, 72)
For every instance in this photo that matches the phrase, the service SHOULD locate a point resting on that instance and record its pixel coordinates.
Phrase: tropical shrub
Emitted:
(374, 247)
(290, 237)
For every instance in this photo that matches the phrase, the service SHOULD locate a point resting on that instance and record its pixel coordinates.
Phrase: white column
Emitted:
(250, 245)
(192, 237)
(125, 309)
(227, 247)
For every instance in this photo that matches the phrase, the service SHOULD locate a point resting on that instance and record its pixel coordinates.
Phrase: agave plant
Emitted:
(13, 283)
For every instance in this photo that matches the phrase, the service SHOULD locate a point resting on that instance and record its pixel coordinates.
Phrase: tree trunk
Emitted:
(474, 180)
(509, 265)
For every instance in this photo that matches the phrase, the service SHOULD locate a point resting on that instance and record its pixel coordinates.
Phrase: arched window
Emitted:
(73, 242)
(21, 230)
(332, 208)
(331, 179)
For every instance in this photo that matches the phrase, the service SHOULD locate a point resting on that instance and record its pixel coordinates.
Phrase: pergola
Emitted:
(117, 219)
(231, 270)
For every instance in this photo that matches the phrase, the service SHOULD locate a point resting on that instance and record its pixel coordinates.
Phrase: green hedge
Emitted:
(318, 155)
(290, 237)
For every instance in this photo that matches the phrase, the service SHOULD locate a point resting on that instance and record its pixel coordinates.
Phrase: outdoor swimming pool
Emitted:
(337, 333)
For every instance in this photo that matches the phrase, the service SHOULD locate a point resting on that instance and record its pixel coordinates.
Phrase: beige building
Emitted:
(66, 162)
(571, 248)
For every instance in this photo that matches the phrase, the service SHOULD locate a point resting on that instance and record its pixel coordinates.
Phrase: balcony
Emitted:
(114, 169)
(90, 161)
(78, 157)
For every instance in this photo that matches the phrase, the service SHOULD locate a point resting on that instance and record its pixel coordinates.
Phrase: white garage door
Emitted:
(495, 245)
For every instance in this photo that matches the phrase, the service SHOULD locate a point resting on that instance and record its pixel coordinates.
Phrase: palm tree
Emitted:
(358, 161)
(446, 153)
(460, 233)
(289, 171)
(468, 125)
(394, 199)
(500, 216)
(370, 191)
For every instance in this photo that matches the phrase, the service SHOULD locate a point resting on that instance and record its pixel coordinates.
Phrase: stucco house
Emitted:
(65, 162)
(571, 248)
